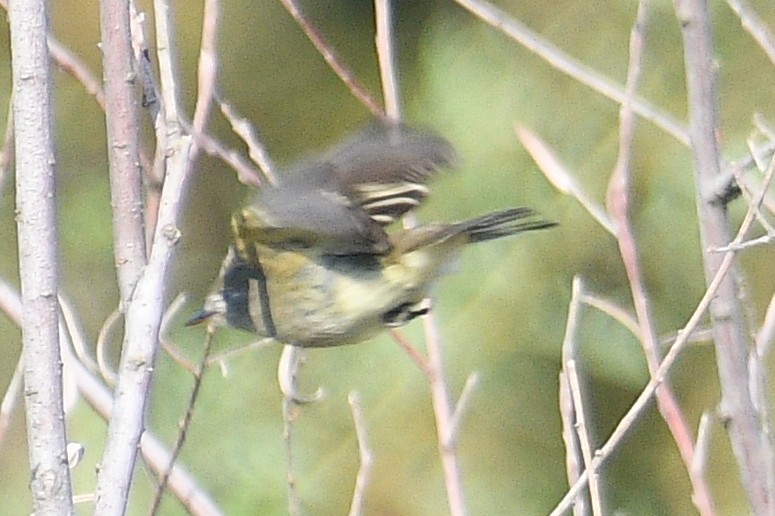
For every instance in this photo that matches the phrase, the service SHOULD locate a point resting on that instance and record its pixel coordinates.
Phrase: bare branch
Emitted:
(184, 425)
(462, 405)
(701, 453)
(246, 173)
(571, 67)
(123, 146)
(143, 318)
(584, 439)
(103, 341)
(574, 459)
(256, 149)
(38, 258)
(70, 321)
(560, 177)
(291, 359)
(618, 201)
(638, 407)
(181, 483)
(288, 369)
(387, 59)
(755, 27)
(413, 353)
(753, 451)
(207, 69)
(364, 452)
(333, 60)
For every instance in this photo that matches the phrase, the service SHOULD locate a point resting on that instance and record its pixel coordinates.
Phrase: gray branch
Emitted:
(749, 443)
(36, 220)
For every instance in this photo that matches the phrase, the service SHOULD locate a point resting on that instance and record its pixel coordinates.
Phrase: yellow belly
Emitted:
(328, 301)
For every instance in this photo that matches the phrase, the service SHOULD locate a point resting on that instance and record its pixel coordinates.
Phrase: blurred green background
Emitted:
(503, 314)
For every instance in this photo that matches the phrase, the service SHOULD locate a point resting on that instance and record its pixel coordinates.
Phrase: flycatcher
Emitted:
(312, 263)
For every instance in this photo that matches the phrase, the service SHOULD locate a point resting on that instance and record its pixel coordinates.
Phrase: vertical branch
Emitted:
(207, 71)
(750, 446)
(129, 239)
(38, 256)
(123, 145)
(98, 397)
(387, 59)
(143, 317)
(575, 460)
(618, 199)
(442, 407)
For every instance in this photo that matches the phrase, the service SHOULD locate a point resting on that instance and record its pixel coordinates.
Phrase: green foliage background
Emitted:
(502, 314)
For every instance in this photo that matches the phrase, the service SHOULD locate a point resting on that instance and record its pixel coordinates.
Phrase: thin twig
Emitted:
(290, 414)
(755, 206)
(73, 328)
(221, 358)
(11, 398)
(617, 313)
(288, 370)
(103, 340)
(387, 59)
(207, 68)
(637, 409)
(169, 315)
(702, 448)
(682, 341)
(618, 201)
(559, 176)
(364, 452)
(462, 405)
(6, 148)
(185, 424)
(573, 68)
(246, 172)
(181, 483)
(153, 172)
(440, 397)
(326, 50)
(574, 459)
(766, 335)
(256, 149)
(414, 354)
(585, 442)
(755, 26)
(291, 360)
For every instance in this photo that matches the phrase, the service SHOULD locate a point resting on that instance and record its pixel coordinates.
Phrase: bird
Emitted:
(313, 262)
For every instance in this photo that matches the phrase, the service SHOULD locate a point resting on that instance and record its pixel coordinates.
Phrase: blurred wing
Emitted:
(304, 218)
(341, 202)
(384, 169)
